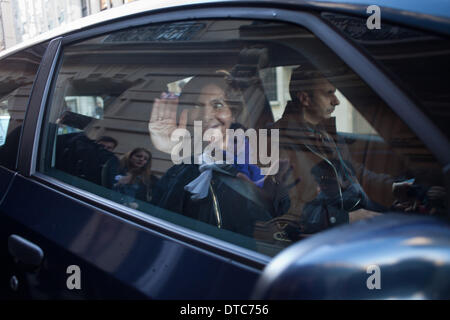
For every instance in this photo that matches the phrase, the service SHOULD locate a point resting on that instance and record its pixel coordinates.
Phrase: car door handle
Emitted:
(25, 251)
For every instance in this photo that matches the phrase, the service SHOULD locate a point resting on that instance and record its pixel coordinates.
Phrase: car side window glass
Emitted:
(418, 60)
(17, 74)
(252, 132)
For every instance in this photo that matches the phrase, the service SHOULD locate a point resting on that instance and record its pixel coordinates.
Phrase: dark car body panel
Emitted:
(432, 16)
(5, 178)
(111, 251)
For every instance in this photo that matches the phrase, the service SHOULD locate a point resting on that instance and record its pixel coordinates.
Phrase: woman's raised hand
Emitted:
(163, 122)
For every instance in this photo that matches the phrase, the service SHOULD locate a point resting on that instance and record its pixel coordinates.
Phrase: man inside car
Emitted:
(319, 157)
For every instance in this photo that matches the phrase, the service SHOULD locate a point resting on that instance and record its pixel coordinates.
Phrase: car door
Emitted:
(18, 71)
(86, 250)
(89, 240)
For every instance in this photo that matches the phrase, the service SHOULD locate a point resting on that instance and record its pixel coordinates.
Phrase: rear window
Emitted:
(17, 74)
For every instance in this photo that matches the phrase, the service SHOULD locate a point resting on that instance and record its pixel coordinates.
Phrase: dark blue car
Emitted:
(229, 150)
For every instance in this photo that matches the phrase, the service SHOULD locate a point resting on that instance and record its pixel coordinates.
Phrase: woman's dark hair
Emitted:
(221, 78)
(144, 173)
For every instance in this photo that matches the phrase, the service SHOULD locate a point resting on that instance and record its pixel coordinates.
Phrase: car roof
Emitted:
(430, 14)
(438, 8)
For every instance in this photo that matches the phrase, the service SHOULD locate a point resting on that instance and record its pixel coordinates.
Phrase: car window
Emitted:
(418, 60)
(17, 73)
(252, 132)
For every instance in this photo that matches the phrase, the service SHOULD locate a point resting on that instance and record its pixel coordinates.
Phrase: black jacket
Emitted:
(232, 203)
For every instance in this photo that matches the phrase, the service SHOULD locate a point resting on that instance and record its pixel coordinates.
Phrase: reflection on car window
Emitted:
(276, 85)
(17, 74)
(397, 48)
(253, 137)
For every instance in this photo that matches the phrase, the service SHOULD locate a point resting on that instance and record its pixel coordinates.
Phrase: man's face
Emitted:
(322, 100)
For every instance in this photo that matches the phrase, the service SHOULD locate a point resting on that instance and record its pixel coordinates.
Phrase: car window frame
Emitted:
(351, 55)
(28, 103)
